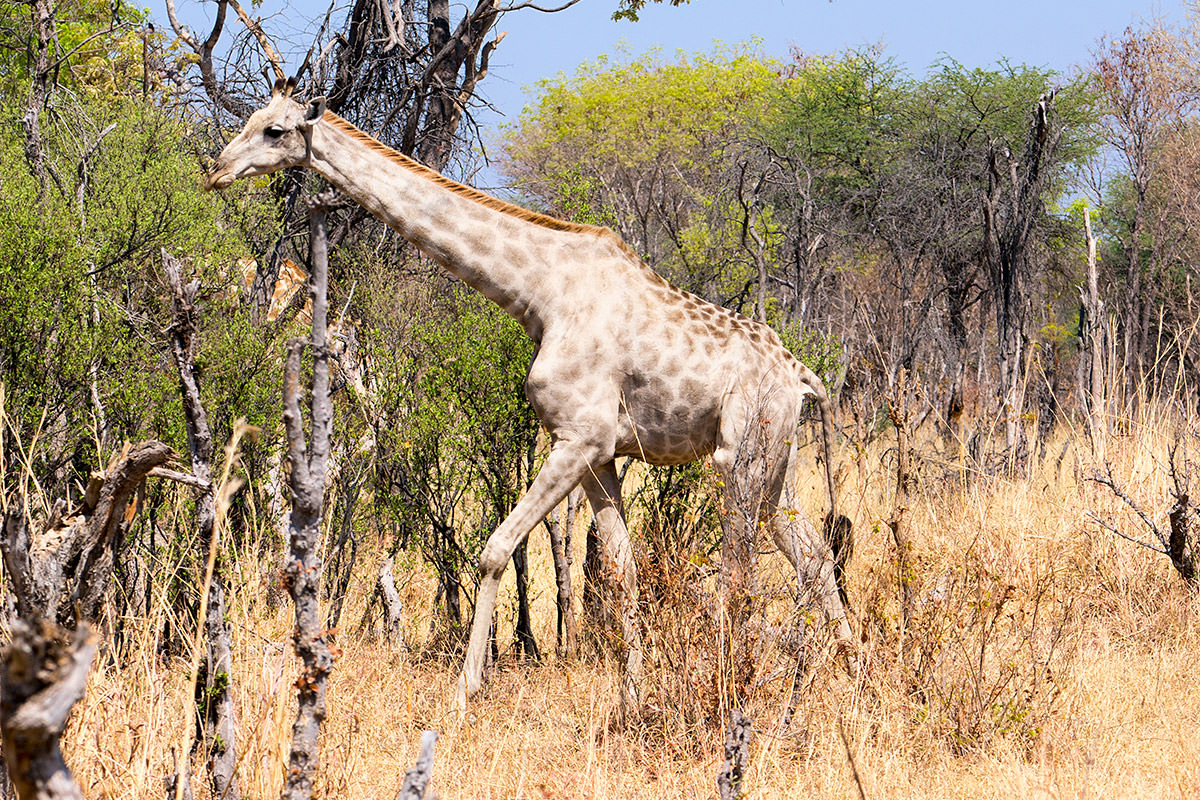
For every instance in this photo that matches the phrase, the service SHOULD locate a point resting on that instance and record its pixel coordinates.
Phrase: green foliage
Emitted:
(628, 9)
(820, 352)
(83, 356)
(837, 116)
(99, 44)
(456, 435)
(641, 145)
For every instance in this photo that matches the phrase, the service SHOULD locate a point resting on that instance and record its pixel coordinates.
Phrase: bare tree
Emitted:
(217, 709)
(1143, 100)
(1012, 207)
(302, 573)
(43, 671)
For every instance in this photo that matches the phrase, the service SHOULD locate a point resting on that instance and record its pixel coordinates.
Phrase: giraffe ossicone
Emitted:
(625, 364)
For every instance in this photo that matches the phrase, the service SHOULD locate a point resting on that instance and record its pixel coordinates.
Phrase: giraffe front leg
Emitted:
(566, 465)
(603, 488)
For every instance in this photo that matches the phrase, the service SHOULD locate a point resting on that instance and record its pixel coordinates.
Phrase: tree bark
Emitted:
(217, 716)
(416, 780)
(560, 544)
(1094, 343)
(900, 414)
(61, 572)
(524, 629)
(40, 71)
(385, 587)
(303, 570)
(43, 672)
(737, 757)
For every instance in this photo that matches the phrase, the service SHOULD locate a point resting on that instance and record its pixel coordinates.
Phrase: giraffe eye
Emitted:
(273, 132)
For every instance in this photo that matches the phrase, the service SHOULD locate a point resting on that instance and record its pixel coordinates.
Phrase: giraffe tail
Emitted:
(839, 532)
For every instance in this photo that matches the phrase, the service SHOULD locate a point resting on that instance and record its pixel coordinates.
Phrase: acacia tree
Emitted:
(645, 147)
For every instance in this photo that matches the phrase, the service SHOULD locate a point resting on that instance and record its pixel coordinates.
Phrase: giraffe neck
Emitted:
(492, 247)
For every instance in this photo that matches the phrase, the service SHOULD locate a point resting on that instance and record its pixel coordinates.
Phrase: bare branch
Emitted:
(1111, 529)
(536, 7)
(268, 49)
(1107, 480)
(186, 478)
(182, 31)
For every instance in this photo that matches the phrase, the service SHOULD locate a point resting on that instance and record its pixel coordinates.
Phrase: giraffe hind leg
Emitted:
(603, 488)
(817, 561)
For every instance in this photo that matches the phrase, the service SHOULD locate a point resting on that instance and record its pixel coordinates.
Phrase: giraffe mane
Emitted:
(470, 192)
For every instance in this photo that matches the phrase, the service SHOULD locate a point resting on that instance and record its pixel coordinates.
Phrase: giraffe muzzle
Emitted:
(219, 178)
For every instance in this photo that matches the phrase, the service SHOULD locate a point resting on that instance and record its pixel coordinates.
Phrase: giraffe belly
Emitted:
(666, 436)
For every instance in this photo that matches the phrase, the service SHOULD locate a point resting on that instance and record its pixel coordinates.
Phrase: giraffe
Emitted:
(624, 365)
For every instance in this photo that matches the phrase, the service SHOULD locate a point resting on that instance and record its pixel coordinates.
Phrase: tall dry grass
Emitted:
(1043, 657)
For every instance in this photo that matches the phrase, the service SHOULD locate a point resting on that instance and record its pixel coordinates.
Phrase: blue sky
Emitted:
(1056, 33)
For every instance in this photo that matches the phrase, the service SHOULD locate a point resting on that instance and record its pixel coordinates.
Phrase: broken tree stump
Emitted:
(43, 672)
(60, 570)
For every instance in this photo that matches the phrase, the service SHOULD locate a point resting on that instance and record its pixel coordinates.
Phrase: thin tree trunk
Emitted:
(308, 468)
(217, 709)
(524, 632)
(900, 414)
(40, 68)
(385, 587)
(1094, 346)
(1133, 297)
(345, 552)
(560, 544)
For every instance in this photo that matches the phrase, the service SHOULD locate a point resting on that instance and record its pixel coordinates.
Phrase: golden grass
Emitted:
(1119, 716)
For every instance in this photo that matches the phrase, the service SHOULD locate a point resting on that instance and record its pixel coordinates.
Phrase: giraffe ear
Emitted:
(278, 86)
(314, 111)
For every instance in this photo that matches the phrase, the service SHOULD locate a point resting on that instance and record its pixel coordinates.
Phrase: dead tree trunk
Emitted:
(308, 467)
(389, 599)
(216, 710)
(1011, 208)
(416, 780)
(43, 672)
(1093, 346)
(737, 757)
(60, 572)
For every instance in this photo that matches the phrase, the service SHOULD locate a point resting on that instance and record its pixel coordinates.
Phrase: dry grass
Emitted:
(1098, 639)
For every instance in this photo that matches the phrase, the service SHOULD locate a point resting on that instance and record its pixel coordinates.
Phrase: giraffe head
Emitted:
(277, 136)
